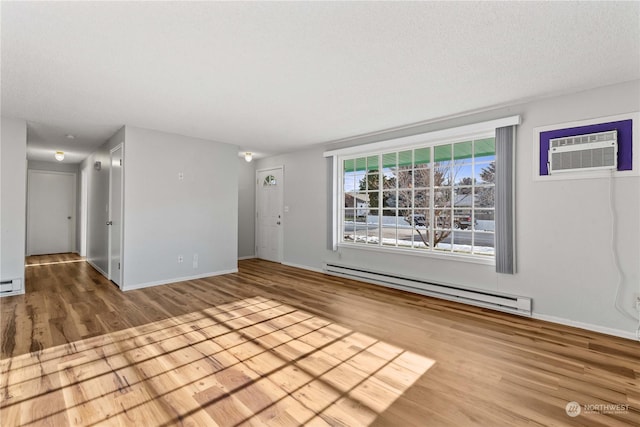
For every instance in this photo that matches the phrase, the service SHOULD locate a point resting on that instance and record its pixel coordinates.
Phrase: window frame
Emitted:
(446, 136)
(431, 209)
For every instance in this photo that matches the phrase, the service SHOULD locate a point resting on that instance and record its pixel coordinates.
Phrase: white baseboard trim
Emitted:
(98, 269)
(553, 319)
(178, 279)
(304, 267)
(587, 326)
(246, 257)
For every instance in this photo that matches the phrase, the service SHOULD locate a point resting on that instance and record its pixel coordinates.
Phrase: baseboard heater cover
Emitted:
(12, 285)
(496, 301)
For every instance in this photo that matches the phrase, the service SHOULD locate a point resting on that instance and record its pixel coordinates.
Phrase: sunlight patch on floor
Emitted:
(54, 263)
(251, 361)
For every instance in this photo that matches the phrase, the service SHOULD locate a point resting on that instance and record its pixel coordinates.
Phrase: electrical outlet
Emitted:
(180, 259)
(195, 260)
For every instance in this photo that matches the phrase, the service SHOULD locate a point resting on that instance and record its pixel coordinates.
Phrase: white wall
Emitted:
(165, 217)
(246, 208)
(565, 258)
(98, 203)
(13, 187)
(563, 233)
(305, 189)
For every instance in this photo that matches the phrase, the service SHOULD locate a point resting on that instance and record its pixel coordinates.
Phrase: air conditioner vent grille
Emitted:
(584, 152)
(584, 139)
(584, 159)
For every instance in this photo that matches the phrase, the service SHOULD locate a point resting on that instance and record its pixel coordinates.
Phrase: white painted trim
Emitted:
(98, 269)
(430, 139)
(84, 211)
(121, 275)
(178, 279)
(586, 326)
(445, 256)
(269, 169)
(335, 205)
(304, 267)
(122, 179)
(30, 172)
(426, 138)
(635, 116)
(246, 257)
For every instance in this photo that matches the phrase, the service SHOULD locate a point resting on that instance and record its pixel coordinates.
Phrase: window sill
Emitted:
(454, 257)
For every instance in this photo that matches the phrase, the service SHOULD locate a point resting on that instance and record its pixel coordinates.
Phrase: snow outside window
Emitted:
(438, 198)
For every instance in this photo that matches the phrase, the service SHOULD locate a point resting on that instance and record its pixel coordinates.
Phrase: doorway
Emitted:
(269, 221)
(51, 208)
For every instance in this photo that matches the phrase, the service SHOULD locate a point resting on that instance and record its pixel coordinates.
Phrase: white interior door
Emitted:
(115, 215)
(50, 212)
(269, 221)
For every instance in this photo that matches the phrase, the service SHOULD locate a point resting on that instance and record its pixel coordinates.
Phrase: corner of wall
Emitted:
(13, 198)
(246, 209)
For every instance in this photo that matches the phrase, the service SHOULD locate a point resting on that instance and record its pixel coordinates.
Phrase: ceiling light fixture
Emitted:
(59, 156)
(248, 156)
(70, 136)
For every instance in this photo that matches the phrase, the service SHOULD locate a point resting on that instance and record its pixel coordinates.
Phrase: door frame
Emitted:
(110, 215)
(84, 211)
(74, 226)
(257, 200)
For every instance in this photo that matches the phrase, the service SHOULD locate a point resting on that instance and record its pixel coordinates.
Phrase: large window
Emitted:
(438, 198)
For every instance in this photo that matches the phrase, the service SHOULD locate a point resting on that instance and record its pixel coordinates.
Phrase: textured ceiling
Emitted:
(273, 77)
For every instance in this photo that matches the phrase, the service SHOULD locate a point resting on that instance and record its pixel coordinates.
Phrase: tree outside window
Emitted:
(438, 198)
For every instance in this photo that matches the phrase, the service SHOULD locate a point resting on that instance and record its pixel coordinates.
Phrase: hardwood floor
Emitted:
(275, 345)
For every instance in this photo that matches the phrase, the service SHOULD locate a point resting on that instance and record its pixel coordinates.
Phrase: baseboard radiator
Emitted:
(13, 285)
(486, 299)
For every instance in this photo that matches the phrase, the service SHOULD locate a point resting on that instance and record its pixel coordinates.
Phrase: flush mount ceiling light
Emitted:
(70, 136)
(248, 156)
(59, 156)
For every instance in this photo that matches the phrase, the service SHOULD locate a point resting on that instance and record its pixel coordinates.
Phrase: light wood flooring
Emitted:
(278, 346)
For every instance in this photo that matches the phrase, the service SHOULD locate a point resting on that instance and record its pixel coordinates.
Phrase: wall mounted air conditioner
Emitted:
(594, 151)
